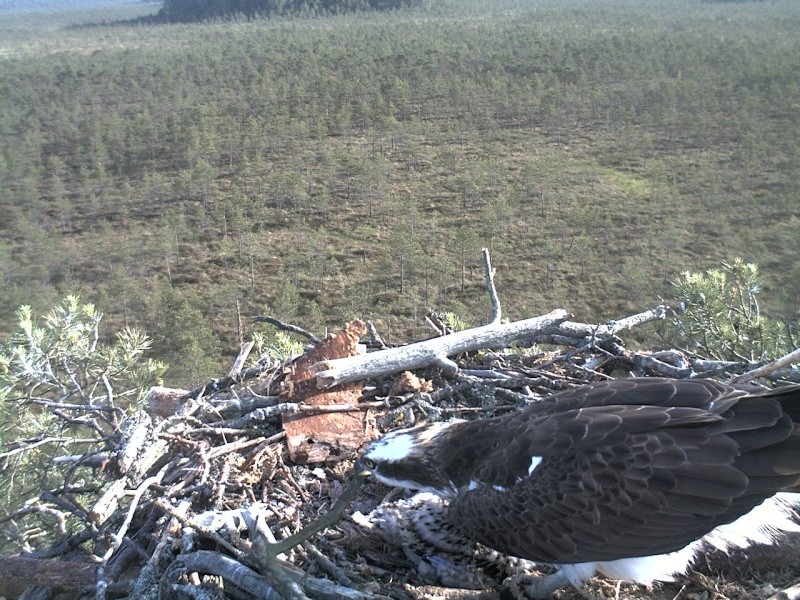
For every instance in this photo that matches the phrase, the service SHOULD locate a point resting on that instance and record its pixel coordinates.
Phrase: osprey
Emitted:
(630, 478)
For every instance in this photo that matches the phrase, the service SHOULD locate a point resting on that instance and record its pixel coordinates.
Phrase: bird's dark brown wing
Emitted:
(633, 468)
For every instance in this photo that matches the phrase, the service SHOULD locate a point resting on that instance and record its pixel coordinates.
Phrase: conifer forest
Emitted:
(319, 165)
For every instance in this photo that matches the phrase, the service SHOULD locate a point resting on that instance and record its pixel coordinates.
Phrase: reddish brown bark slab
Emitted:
(330, 436)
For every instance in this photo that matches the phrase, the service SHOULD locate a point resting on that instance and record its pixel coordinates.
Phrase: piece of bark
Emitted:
(330, 436)
(407, 382)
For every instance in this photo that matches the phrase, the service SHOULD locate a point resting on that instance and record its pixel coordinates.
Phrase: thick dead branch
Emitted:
(414, 356)
(258, 586)
(244, 404)
(18, 574)
(644, 362)
(783, 361)
(133, 441)
(241, 576)
(654, 314)
(575, 334)
(95, 461)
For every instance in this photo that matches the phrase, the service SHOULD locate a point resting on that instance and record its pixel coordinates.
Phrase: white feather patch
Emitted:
(761, 525)
(398, 445)
(426, 434)
(535, 462)
(392, 447)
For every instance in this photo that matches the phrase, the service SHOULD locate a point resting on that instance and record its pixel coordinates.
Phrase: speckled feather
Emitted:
(628, 468)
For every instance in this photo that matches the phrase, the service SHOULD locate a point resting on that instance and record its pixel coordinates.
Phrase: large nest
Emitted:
(204, 481)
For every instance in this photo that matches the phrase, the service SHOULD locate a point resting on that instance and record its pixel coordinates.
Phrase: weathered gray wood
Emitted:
(19, 573)
(783, 361)
(433, 351)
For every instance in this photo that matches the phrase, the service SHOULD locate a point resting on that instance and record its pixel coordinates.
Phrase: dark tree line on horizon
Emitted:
(200, 10)
(29, 5)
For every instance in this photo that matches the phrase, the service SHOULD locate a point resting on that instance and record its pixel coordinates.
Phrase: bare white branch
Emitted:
(783, 361)
(497, 313)
(422, 354)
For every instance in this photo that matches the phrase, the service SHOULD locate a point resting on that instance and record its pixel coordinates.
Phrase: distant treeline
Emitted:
(21, 5)
(200, 10)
